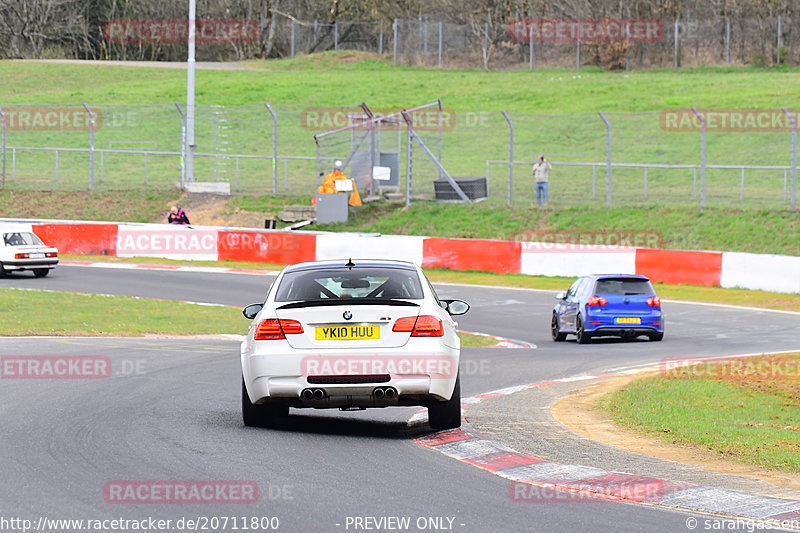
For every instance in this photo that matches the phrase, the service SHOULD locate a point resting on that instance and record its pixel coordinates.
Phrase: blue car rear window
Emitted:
(623, 286)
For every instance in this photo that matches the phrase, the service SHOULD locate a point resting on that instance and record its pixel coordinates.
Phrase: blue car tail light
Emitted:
(596, 301)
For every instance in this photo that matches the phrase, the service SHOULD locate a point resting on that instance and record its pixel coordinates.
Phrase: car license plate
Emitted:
(35, 256)
(628, 320)
(347, 333)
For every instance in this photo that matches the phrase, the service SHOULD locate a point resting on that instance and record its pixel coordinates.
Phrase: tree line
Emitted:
(75, 28)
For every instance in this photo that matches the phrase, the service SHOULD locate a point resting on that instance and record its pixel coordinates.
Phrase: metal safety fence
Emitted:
(689, 156)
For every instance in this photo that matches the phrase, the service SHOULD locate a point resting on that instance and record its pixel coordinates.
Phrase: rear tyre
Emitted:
(447, 415)
(555, 331)
(3, 272)
(41, 272)
(656, 336)
(262, 416)
(580, 332)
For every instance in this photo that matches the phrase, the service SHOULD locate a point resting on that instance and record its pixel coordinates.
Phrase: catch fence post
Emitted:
(409, 159)
(91, 145)
(728, 41)
(608, 158)
(183, 143)
(394, 42)
(645, 183)
(441, 42)
(486, 45)
(274, 149)
(292, 45)
(2, 149)
(530, 43)
(510, 157)
(702, 157)
(675, 53)
(741, 187)
(440, 134)
(793, 121)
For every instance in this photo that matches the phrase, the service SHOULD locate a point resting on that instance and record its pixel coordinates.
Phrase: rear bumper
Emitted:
(30, 264)
(282, 378)
(605, 323)
(621, 331)
(292, 392)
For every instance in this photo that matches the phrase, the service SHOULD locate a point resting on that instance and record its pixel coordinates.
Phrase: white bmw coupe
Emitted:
(22, 250)
(351, 335)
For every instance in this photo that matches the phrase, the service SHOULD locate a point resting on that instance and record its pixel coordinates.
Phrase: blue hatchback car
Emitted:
(621, 305)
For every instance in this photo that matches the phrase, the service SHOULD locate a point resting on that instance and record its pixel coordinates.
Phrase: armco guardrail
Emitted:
(776, 273)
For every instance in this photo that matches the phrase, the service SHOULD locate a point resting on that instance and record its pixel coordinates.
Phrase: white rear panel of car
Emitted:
(326, 327)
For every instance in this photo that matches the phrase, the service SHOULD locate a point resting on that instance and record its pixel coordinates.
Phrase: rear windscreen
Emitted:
(623, 286)
(359, 282)
(21, 239)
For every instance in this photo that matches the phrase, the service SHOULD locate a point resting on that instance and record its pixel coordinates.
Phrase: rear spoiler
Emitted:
(328, 302)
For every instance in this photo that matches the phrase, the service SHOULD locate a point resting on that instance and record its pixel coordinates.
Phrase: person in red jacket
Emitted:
(177, 216)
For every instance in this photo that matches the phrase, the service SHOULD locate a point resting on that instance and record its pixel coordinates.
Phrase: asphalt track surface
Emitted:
(170, 411)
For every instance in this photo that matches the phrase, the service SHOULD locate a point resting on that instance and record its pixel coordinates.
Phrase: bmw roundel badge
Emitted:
(347, 315)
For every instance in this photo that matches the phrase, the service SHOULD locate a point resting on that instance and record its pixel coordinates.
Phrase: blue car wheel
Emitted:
(555, 331)
(583, 336)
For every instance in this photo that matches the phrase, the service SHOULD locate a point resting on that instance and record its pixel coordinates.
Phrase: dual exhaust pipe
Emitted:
(313, 394)
(379, 393)
(388, 392)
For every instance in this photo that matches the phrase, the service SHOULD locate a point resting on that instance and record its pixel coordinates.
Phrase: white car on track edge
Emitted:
(21, 249)
(351, 335)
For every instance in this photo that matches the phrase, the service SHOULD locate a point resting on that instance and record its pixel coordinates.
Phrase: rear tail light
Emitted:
(291, 327)
(28, 256)
(405, 325)
(428, 326)
(654, 301)
(273, 329)
(421, 326)
(596, 301)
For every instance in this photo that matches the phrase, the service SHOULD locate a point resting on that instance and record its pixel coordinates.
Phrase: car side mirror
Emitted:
(252, 310)
(561, 295)
(455, 307)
